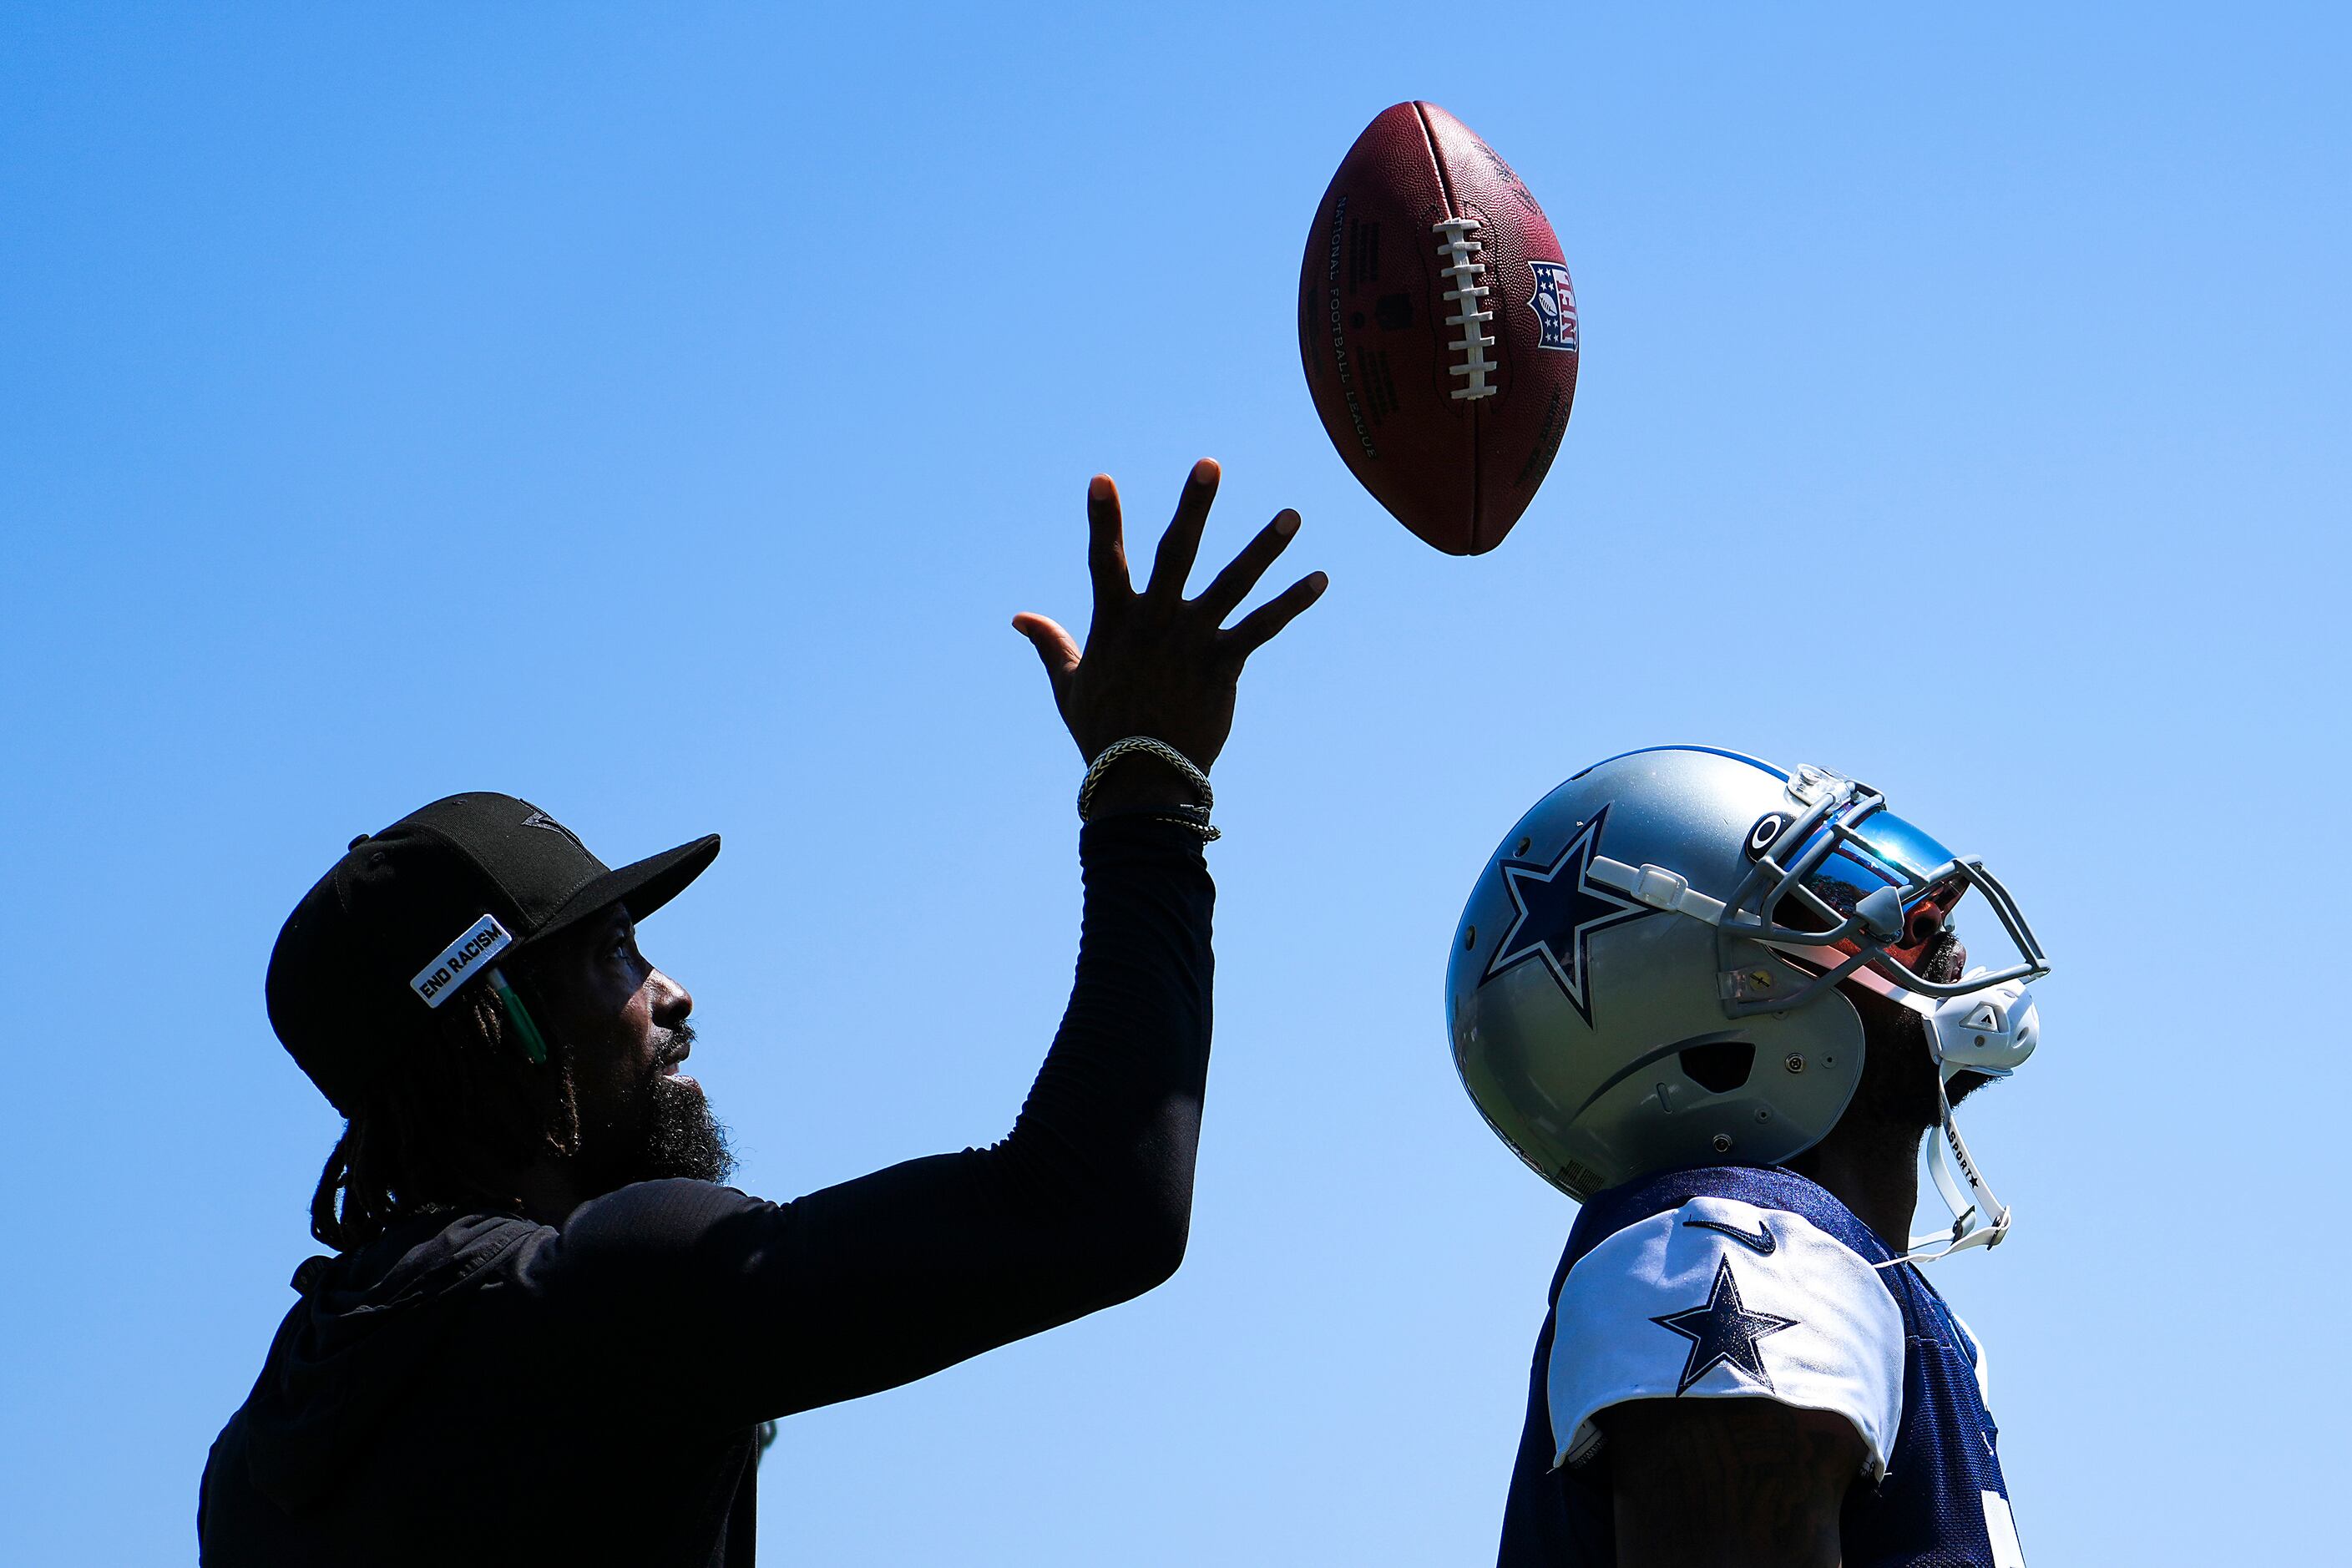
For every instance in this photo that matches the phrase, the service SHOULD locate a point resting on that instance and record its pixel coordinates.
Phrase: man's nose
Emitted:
(672, 1002)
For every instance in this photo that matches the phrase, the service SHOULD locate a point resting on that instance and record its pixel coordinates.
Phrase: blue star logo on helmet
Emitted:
(1559, 908)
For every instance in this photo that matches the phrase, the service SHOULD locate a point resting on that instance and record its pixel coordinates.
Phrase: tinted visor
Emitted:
(1883, 850)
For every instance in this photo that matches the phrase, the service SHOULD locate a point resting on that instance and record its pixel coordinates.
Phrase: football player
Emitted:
(1720, 1003)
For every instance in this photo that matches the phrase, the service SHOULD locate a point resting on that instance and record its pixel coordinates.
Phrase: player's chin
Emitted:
(669, 1084)
(682, 1137)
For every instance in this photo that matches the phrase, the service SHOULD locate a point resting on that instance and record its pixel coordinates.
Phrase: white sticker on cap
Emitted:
(438, 981)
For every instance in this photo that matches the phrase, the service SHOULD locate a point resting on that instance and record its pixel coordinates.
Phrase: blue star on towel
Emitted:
(1559, 908)
(1724, 1333)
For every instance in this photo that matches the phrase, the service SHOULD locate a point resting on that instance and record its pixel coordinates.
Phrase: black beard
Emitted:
(1899, 1069)
(682, 1137)
(674, 1134)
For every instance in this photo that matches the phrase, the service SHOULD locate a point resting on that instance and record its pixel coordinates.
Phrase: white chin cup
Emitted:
(1989, 1032)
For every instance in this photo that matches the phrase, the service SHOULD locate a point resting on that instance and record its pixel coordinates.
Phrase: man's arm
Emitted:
(750, 1309)
(1728, 1483)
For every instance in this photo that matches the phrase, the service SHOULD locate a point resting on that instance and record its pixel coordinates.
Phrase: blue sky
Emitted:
(658, 412)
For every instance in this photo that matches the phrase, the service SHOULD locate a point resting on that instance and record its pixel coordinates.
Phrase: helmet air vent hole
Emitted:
(1469, 938)
(1721, 1067)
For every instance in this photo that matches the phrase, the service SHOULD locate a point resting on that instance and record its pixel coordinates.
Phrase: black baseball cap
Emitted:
(413, 915)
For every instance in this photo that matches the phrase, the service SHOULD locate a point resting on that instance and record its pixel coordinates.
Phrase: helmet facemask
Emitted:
(1881, 895)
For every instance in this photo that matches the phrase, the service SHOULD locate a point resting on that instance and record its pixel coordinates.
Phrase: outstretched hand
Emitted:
(1156, 663)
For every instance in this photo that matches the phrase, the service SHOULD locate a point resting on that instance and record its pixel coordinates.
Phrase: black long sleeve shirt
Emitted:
(481, 1388)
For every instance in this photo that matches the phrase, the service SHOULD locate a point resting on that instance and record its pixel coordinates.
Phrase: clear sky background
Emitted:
(658, 412)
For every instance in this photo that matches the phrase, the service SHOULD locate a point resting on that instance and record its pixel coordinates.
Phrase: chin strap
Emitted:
(1979, 1218)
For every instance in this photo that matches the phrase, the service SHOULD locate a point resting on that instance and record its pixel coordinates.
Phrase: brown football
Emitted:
(1438, 328)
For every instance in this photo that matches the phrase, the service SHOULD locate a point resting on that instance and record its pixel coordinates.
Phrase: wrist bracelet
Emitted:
(1195, 818)
(1185, 817)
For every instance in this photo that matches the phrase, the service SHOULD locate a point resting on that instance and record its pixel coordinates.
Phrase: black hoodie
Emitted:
(481, 1388)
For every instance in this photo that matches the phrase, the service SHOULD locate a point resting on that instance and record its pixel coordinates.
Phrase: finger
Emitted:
(1106, 546)
(1258, 627)
(1055, 646)
(1181, 542)
(1241, 574)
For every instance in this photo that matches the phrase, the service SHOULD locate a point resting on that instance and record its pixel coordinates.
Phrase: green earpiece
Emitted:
(533, 1045)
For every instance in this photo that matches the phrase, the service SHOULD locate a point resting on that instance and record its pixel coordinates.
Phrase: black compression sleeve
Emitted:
(748, 1310)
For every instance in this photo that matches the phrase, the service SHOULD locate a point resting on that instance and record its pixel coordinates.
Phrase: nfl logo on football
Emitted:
(1555, 303)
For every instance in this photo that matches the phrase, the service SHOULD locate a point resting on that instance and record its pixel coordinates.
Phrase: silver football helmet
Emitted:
(1647, 972)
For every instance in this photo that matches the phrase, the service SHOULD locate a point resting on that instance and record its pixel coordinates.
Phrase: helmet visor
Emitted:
(1855, 853)
(1883, 850)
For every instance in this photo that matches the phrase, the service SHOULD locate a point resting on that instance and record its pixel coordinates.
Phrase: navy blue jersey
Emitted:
(1728, 1281)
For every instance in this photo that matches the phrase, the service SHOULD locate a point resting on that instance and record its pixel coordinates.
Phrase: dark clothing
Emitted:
(480, 1388)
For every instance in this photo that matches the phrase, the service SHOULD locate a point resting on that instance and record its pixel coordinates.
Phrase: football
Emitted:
(1438, 328)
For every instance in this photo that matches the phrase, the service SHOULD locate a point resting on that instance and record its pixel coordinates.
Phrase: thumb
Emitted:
(1055, 646)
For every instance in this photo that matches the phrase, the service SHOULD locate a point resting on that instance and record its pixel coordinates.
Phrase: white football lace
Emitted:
(1458, 244)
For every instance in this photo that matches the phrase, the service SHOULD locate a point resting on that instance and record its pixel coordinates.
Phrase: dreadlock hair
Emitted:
(446, 1125)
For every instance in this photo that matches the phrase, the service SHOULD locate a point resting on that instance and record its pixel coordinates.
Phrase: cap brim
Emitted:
(644, 885)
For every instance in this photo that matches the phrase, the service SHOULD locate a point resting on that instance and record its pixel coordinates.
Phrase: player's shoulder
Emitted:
(1724, 1282)
(1770, 1189)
